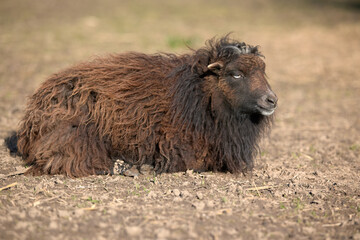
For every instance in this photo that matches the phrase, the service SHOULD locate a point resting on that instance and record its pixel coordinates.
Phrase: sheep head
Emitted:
(235, 76)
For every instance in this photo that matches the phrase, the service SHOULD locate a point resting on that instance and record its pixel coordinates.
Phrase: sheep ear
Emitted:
(215, 67)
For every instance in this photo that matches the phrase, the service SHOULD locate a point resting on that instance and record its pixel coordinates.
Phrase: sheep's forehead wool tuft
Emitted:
(244, 49)
(227, 48)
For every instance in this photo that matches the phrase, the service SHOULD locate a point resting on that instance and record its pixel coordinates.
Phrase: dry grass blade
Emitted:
(8, 186)
(36, 203)
(92, 208)
(332, 225)
(259, 188)
(227, 211)
(20, 172)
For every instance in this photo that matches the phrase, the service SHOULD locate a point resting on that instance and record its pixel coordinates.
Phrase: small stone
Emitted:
(189, 173)
(123, 168)
(21, 225)
(132, 172)
(79, 212)
(186, 183)
(184, 193)
(309, 230)
(39, 187)
(227, 211)
(21, 215)
(177, 199)
(162, 233)
(146, 169)
(210, 204)
(112, 212)
(20, 168)
(192, 233)
(356, 236)
(63, 214)
(176, 192)
(232, 188)
(199, 195)
(58, 181)
(53, 225)
(103, 224)
(152, 194)
(9, 218)
(33, 213)
(199, 206)
(231, 231)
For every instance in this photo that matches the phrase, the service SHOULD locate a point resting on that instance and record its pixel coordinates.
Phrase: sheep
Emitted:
(205, 111)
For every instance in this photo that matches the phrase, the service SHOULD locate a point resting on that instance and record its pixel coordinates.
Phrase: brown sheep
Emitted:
(204, 111)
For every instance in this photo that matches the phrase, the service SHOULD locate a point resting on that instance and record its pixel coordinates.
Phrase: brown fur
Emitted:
(165, 110)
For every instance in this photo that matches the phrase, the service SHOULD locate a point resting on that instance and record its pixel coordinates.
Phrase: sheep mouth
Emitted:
(265, 111)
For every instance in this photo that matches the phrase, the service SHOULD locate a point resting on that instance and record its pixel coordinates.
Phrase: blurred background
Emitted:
(43, 36)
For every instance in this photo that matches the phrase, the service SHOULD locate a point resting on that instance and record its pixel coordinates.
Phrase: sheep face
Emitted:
(243, 84)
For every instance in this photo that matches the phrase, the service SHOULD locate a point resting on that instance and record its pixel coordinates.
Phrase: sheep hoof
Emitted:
(123, 168)
(132, 172)
(146, 169)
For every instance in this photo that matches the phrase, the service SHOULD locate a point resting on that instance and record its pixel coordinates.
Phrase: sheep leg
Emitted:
(72, 150)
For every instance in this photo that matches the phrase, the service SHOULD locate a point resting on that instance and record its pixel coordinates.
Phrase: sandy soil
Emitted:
(306, 182)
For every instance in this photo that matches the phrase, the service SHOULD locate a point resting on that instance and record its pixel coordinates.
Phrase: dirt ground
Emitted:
(306, 182)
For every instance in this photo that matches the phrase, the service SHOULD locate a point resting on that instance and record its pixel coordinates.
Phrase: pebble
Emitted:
(132, 172)
(162, 233)
(33, 213)
(185, 193)
(103, 225)
(199, 195)
(210, 204)
(227, 211)
(39, 187)
(146, 169)
(133, 231)
(177, 199)
(189, 173)
(79, 212)
(356, 236)
(58, 181)
(112, 212)
(22, 215)
(231, 231)
(21, 225)
(20, 168)
(53, 225)
(63, 214)
(232, 188)
(309, 230)
(152, 194)
(186, 183)
(176, 192)
(8, 218)
(199, 205)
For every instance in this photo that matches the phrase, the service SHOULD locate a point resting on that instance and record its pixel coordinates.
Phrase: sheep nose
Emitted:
(271, 99)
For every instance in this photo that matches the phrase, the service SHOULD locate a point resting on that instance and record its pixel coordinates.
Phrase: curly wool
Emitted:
(146, 109)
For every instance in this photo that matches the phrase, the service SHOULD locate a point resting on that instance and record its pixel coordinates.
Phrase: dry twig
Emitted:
(20, 172)
(8, 186)
(259, 188)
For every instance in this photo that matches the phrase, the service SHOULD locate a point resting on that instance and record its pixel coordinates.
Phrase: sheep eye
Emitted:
(237, 76)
